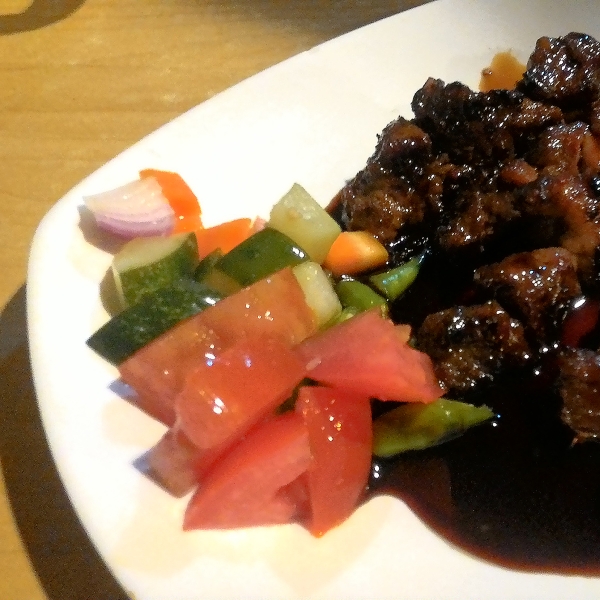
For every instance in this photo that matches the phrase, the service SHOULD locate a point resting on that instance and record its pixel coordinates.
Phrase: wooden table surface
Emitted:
(81, 80)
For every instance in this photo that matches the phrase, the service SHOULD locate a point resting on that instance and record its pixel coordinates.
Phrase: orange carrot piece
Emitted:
(355, 252)
(181, 198)
(224, 236)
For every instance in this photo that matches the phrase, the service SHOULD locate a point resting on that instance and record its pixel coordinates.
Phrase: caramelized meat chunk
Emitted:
(569, 208)
(509, 179)
(564, 70)
(470, 345)
(476, 128)
(385, 198)
(479, 217)
(559, 148)
(402, 148)
(461, 123)
(535, 287)
(386, 206)
(579, 386)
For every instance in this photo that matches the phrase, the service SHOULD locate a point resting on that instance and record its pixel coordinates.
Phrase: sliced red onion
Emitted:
(135, 209)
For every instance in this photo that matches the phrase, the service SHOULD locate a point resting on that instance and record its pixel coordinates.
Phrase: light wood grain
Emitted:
(74, 94)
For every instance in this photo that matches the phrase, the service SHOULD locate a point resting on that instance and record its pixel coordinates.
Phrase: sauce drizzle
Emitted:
(503, 73)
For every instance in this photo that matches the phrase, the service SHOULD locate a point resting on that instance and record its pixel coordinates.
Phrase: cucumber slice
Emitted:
(262, 254)
(318, 291)
(207, 264)
(154, 314)
(304, 220)
(207, 273)
(146, 264)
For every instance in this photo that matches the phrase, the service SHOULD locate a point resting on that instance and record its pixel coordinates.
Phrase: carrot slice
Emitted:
(224, 236)
(181, 198)
(355, 252)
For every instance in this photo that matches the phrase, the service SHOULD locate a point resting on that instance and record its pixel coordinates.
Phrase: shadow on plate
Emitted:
(65, 561)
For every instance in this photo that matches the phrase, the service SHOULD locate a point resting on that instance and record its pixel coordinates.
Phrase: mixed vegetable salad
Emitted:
(261, 345)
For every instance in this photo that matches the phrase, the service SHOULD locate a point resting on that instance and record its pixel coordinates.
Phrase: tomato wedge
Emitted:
(175, 464)
(224, 397)
(157, 371)
(246, 487)
(368, 355)
(340, 433)
(274, 306)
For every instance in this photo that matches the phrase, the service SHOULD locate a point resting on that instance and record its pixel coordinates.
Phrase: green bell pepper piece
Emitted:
(393, 283)
(359, 296)
(416, 426)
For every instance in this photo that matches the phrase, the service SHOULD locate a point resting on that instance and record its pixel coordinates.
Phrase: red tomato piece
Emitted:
(341, 436)
(247, 486)
(273, 306)
(157, 371)
(175, 464)
(368, 355)
(224, 397)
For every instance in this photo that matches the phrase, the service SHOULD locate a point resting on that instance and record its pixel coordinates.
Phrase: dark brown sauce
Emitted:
(515, 491)
(503, 73)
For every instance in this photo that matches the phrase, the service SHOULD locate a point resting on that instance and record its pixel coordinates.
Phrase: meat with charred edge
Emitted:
(536, 286)
(579, 385)
(502, 184)
(472, 344)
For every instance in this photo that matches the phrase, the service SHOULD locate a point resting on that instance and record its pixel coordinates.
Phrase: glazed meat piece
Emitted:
(387, 206)
(470, 345)
(479, 218)
(483, 130)
(402, 149)
(385, 197)
(559, 148)
(564, 71)
(535, 287)
(565, 210)
(579, 386)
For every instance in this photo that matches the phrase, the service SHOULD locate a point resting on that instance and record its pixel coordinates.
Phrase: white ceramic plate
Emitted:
(313, 120)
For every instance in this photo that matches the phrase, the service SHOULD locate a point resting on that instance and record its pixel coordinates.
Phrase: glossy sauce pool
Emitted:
(513, 492)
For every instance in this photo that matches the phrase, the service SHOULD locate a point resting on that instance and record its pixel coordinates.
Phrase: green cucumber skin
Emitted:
(261, 255)
(207, 264)
(136, 285)
(152, 316)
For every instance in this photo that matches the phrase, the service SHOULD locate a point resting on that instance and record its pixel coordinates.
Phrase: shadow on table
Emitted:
(39, 13)
(67, 564)
(342, 16)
